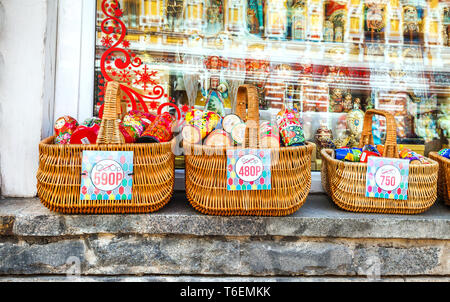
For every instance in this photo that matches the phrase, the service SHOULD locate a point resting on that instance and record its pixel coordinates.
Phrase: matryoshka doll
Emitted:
(348, 103)
(64, 128)
(336, 100)
(323, 138)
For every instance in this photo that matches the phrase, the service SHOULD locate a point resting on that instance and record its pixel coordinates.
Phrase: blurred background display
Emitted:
(330, 61)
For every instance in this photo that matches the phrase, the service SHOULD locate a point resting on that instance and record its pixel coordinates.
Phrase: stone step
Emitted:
(318, 241)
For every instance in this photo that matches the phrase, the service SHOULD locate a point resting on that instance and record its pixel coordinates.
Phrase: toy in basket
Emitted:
(346, 183)
(60, 168)
(207, 182)
(443, 158)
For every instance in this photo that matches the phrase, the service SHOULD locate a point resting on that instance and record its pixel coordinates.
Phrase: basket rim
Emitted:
(324, 152)
(439, 157)
(224, 149)
(48, 142)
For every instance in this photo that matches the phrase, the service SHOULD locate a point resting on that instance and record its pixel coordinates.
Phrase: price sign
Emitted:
(107, 175)
(387, 178)
(249, 169)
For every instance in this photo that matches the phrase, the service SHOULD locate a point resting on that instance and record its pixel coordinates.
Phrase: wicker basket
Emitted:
(206, 173)
(345, 182)
(444, 175)
(59, 174)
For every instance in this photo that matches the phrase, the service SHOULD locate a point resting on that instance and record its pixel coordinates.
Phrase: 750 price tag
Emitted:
(107, 175)
(249, 169)
(387, 178)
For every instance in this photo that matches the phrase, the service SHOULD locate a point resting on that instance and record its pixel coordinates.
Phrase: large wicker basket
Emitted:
(206, 173)
(59, 174)
(345, 182)
(444, 177)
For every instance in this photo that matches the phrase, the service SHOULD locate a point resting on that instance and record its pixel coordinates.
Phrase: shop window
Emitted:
(329, 60)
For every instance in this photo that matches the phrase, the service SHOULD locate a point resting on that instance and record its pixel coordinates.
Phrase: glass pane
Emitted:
(329, 61)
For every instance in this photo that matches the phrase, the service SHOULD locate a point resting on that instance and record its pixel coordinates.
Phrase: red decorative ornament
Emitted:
(144, 78)
(126, 44)
(112, 12)
(107, 41)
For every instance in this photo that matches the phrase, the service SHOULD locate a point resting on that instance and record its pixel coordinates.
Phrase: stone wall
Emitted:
(319, 241)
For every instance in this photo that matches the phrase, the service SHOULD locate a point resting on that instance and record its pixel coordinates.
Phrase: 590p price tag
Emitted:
(107, 175)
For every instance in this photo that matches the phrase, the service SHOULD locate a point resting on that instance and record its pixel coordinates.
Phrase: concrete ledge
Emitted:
(218, 279)
(317, 218)
(319, 241)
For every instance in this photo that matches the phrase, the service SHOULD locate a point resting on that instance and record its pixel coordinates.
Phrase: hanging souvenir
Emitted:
(215, 88)
(315, 17)
(195, 15)
(299, 25)
(255, 16)
(394, 30)
(336, 13)
(276, 18)
(152, 13)
(412, 23)
(215, 17)
(375, 19)
(356, 17)
(175, 15)
(235, 16)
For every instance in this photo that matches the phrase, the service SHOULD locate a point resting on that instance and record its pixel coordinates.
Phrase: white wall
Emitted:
(22, 46)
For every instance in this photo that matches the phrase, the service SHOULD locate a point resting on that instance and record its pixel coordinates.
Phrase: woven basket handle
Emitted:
(247, 96)
(109, 132)
(390, 145)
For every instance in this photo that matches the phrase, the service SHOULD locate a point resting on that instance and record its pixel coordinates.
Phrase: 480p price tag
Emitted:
(249, 169)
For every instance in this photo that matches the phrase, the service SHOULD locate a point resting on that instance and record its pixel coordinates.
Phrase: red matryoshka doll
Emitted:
(64, 128)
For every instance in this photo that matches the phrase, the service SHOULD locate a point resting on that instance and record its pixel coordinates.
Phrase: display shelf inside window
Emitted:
(329, 60)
